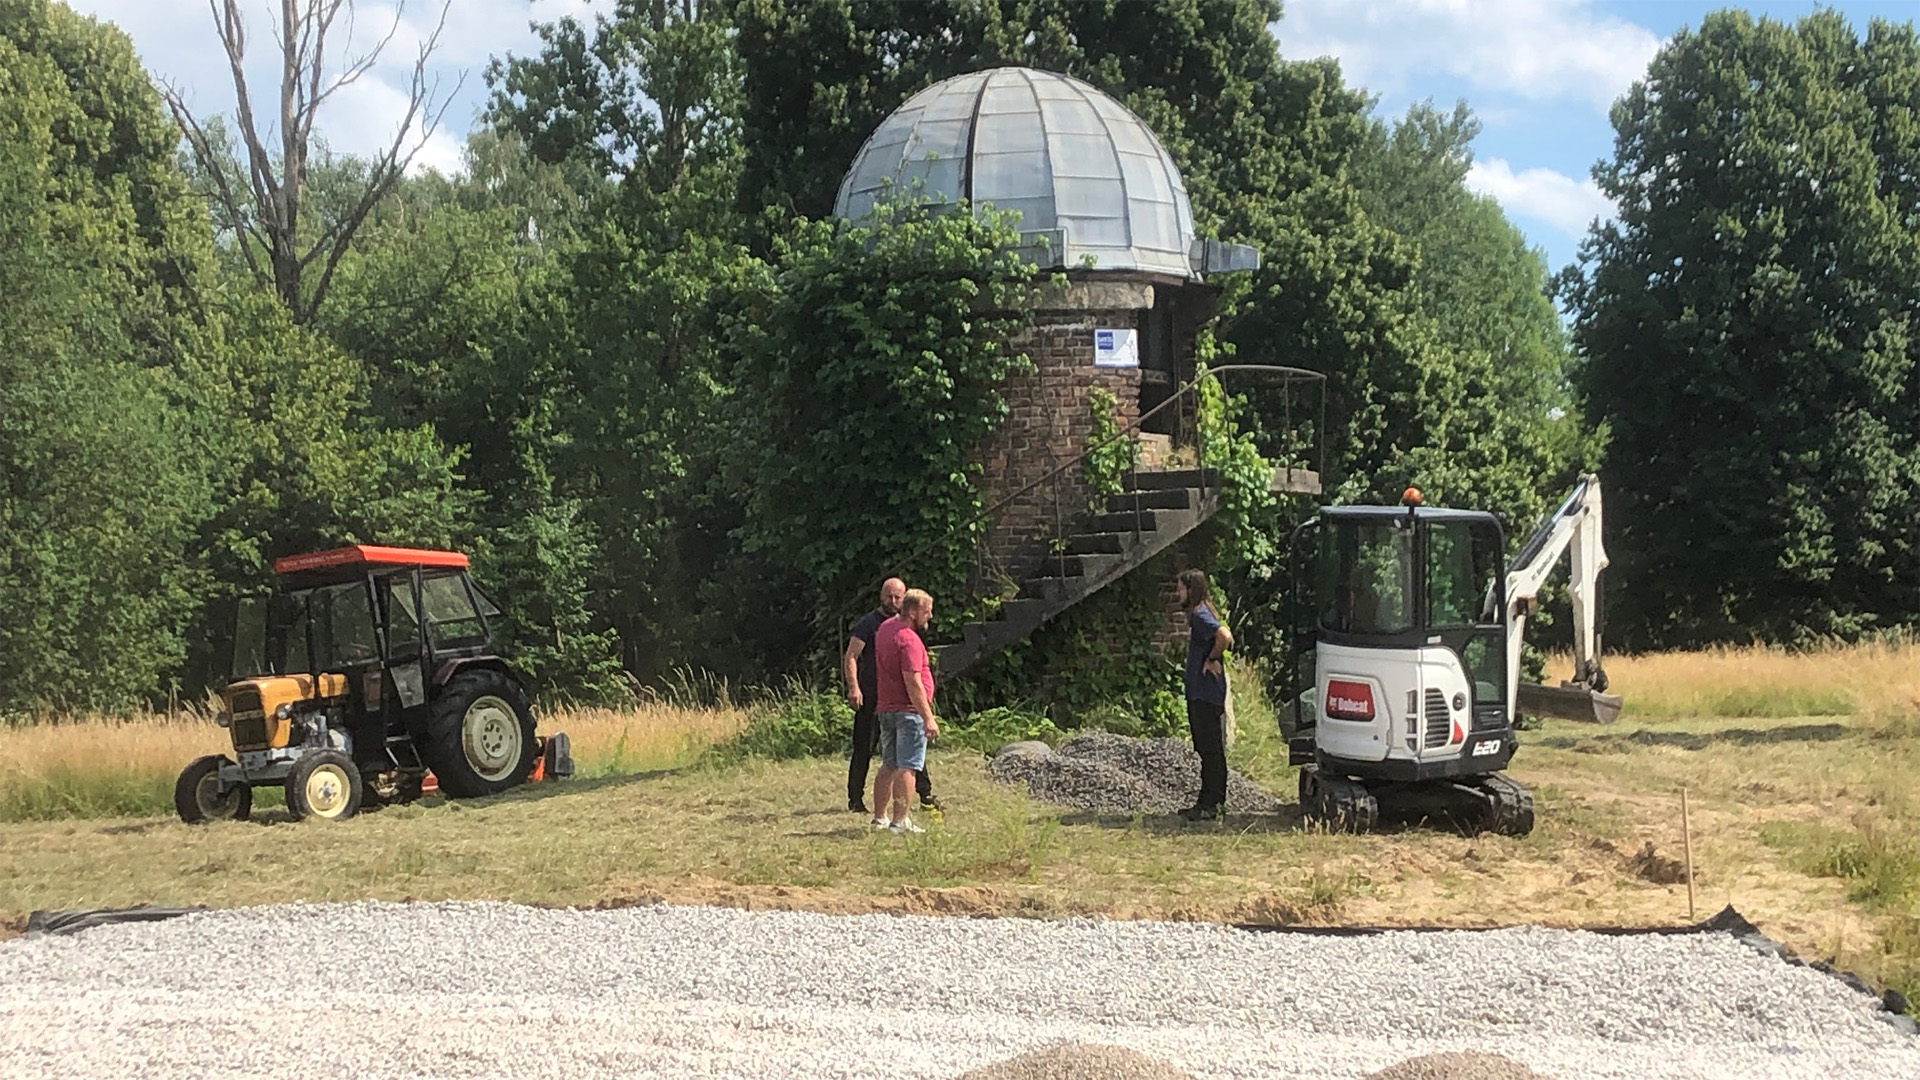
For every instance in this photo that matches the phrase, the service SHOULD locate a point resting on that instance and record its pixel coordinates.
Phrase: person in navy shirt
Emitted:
(1206, 686)
(856, 665)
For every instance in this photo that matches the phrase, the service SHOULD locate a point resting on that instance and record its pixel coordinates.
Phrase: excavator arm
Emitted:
(1573, 528)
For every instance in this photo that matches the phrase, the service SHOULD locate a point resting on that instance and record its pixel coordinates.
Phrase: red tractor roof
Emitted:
(368, 555)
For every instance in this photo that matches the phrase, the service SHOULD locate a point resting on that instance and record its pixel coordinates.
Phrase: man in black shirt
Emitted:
(856, 666)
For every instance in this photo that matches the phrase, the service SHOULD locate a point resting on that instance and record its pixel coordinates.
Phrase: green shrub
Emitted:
(803, 724)
(990, 729)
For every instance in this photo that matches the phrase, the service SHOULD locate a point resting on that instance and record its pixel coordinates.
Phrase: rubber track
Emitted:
(1512, 809)
(1346, 805)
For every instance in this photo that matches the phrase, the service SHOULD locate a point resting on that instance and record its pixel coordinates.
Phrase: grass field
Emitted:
(1799, 771)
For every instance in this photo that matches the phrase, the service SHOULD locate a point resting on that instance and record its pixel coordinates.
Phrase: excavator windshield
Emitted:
(1394, 573)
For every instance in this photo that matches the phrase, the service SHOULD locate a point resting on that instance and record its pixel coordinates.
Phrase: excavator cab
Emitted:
(1400, 654)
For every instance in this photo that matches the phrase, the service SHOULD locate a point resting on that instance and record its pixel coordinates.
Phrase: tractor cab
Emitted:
(1398, 653)
(397, 612)
(369, 671)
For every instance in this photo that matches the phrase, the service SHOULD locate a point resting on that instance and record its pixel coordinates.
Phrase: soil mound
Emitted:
(1462, 1065)
(1079, 1061)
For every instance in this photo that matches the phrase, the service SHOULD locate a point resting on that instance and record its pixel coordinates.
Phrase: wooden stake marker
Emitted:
(1686, 847)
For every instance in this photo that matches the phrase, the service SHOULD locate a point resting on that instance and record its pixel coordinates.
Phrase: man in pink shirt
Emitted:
(906, 718)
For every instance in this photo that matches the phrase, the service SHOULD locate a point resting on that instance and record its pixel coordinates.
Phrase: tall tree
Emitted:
(100, 489)
(1504, 434)
(263, 201)
(1748, 328)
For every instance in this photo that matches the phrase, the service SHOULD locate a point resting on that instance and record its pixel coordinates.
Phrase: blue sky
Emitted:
(1540, 74)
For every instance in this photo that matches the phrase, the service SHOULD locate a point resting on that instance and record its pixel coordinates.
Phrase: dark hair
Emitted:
(1195, 584)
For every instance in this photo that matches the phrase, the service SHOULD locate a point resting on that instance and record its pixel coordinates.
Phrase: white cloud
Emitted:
(1537, 49)
(1555, 198)
(176, 42)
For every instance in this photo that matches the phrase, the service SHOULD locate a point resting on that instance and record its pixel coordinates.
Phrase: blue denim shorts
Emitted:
(903, 740)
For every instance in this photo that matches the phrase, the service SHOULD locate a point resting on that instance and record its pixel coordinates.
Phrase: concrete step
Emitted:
(1176, 478)
(1022, 612)
(1100, 543)
(1171, 499)
(1071, 566)
(1123, 522)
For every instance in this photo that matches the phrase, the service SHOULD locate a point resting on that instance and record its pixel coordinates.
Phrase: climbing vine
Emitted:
(1109, 458)
(872, 360)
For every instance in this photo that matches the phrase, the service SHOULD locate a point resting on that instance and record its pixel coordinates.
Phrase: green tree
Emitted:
(1506, 435)
(1747, 327)
(101, 487)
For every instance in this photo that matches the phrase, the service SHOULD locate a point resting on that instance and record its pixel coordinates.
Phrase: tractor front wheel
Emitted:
(324, 784)
(480, 741)
(197, 797)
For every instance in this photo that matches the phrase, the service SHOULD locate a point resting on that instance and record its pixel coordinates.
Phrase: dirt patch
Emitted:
(1648, 864)
(1079, 1061)
(12, 927)
(1465, 1065)
(963, 900)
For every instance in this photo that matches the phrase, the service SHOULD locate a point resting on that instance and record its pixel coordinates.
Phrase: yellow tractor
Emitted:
(369, 677)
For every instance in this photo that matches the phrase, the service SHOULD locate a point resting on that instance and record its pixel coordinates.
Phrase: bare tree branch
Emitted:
(392, 165)
(216, 167)
(278, 189)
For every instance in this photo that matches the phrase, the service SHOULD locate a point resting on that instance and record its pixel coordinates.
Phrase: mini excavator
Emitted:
(1404, 659)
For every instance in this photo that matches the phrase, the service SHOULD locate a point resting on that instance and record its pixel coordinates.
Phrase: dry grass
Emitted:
(94, 767)
(654, 735)
(1878, 680)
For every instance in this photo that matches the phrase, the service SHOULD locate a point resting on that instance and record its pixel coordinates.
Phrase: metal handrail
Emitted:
(1289, 376)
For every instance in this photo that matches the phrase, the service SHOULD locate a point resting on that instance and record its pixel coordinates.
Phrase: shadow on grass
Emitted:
(1287, 820)
(526, 793)
(1691, 740)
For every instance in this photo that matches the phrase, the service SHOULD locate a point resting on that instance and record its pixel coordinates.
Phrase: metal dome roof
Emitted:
(1085, 174)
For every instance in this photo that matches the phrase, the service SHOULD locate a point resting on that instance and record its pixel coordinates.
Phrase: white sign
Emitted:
(1116, 348)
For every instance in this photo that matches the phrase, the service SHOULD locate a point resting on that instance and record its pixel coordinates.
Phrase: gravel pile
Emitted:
(462, 991)
(1458, 1066)
(1114, 774)
(1079, 1061)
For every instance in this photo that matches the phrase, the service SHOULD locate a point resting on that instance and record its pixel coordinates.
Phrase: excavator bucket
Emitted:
(1570, 701)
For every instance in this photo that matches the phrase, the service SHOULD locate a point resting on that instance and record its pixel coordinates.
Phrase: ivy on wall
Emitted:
(872, 361)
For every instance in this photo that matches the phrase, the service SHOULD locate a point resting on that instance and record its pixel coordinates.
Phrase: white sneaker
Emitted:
(882, 823)
(905, 825)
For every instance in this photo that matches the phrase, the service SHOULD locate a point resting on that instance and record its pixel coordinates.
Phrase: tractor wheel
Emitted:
(1309, 787)
(480, 740)
(197, 798)
(324, 784)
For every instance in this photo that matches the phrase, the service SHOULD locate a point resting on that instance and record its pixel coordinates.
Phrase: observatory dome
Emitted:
(1087, 177)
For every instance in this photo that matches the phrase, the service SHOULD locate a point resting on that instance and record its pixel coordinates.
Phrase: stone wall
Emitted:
(1050, 420)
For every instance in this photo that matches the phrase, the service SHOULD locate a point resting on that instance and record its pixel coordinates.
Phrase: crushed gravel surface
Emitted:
(1114, 774)
(470, 990)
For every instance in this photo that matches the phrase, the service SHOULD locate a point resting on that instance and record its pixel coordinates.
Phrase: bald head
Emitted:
(893, 592)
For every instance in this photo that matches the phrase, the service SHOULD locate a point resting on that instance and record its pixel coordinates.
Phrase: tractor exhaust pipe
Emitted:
(1570, 701)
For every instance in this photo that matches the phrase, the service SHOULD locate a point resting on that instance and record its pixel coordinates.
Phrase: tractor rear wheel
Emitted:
(480, 740)
(324, 784)
(197, 797)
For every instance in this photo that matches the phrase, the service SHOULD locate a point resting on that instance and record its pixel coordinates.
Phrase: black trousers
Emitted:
(866, 741)
(1204, 720)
